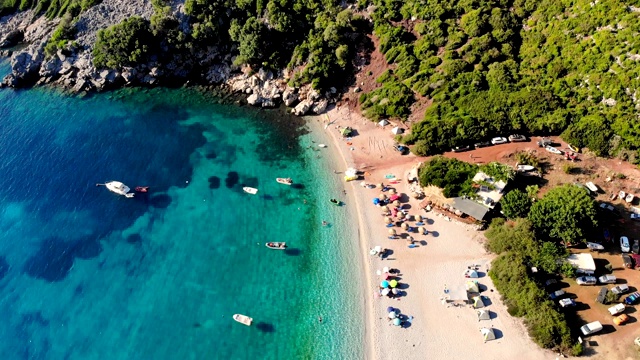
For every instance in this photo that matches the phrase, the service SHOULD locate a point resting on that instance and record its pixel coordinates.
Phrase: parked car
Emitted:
(607, 279)
(401, 149)
(632, 298)
(602, 295)
(461, 148)
(624, 244)
(586, 280)
(628, 263)
(635, 248)
(551, 282)
(591, 328)
(620, 289)
(567, 302)
(634, 216)
(607, 206)
(482, 144)
(621, 319)
(557, 294)
(517, 138)
(499, 140)
(617, 309)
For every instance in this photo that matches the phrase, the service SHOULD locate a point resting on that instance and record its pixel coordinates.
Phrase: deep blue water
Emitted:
(87, 274)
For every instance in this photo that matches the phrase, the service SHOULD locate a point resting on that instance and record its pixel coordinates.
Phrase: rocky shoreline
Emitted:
(74, 71)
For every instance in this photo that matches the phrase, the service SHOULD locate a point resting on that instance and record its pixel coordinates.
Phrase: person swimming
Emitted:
(324, 223)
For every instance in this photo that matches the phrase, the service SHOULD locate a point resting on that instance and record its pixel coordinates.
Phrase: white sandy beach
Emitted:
(438, 330)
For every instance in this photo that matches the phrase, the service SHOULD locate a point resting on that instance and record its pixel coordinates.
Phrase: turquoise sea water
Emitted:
(87, 274)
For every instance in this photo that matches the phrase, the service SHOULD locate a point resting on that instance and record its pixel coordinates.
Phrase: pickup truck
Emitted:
(591, 328)
(615, 310)
(620, 289)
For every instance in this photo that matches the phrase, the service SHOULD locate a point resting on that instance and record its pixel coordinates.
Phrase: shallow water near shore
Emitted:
(87, 274)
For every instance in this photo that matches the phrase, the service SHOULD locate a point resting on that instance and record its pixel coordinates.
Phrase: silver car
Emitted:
(586, 280)
(607, 279)
(499, 140)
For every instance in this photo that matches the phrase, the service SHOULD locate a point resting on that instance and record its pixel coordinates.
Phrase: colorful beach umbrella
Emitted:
(393, 283)
(397, 322)
(390, 309)
(384, 284)
(392, 315)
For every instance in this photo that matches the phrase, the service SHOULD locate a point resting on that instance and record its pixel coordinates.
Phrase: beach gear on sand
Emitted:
(389, 176)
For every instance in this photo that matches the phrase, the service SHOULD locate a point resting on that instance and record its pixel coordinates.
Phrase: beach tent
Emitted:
(346, 131)
(469, 273)
(487, 334)
(351, 172)
(477, 302)
(472, 286)
(383, 122)
(483, 315)
(351, 178)
(397, 130)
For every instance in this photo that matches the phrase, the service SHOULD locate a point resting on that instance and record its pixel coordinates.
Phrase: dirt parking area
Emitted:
(613, 342)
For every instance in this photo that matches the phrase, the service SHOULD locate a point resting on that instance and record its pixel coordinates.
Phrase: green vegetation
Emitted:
(515, 204)
(494, 67)
(518, 250)
(565, 214)
(64, 33)
(125, 44)
(452, 175)
(50, 8)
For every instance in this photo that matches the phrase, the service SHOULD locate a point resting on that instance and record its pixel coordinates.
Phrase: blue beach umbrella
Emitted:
(390, 309)
(376, 201)
(397, 322)
(384, 284)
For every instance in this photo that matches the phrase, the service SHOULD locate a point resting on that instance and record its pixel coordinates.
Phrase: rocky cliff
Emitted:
(75, 71)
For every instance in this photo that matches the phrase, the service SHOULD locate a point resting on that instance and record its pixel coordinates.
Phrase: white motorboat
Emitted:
(551, 149)
(250, 190)
(285, 181)
(525, 168)
(591, 186)
(243, 319)
(622, 195)
(595, 246)
(322, 145)
(118, 188)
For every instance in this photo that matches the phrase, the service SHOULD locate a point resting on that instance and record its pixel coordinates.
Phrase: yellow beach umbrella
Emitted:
(381, 185)
(392, 191)
(419, 218)
(400, 215)
(388, 220)
(383, 196)
(396, 203)
(385, 208)
(393, 283)
(422, 230)
(392, 231)
(404, 226)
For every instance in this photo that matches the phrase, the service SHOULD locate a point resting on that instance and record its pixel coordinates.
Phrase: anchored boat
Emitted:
(250, 190)
(243, 319)
(276, 245)
(285, 181)
(118, 188)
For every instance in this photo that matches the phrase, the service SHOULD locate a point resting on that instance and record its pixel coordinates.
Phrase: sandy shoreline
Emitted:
(438, 330)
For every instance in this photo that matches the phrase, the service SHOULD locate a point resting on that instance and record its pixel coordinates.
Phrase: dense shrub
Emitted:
(125, 44)
(452, 175)
(515, 204)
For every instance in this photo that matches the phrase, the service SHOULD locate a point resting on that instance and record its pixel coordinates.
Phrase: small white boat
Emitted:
(322, 145)
(551, 149)
(622, 195)
(591, 186)
(525, 168)
(243, 319)
(250, 190)
(118, 188)
(595, 246)
(285, 181)
(276, 245)
(629, 198)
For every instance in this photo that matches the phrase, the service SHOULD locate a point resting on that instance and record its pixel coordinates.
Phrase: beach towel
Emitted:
(389, 176)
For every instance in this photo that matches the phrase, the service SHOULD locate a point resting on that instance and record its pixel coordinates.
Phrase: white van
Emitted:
(591, 328)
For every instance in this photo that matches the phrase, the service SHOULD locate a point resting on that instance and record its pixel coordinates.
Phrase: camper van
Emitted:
(591, 328)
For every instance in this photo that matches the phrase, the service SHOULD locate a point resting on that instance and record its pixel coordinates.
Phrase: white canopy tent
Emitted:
(397, 130)
(383, 122)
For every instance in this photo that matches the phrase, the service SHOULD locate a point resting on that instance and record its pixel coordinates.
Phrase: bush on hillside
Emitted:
(124, 44)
